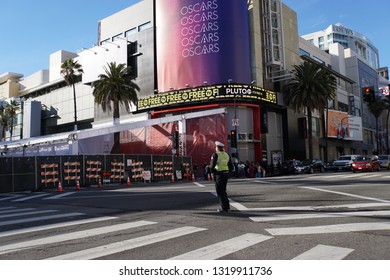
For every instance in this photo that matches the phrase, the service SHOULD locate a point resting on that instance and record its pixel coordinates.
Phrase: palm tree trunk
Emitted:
(377, 135)
(116, 149)
(310, 132)
(75, 107)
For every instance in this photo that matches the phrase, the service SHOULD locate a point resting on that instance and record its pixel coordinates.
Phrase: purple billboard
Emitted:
(201, 41)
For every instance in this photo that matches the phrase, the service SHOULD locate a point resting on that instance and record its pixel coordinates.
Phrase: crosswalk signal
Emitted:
(233, 139)
(368, 94)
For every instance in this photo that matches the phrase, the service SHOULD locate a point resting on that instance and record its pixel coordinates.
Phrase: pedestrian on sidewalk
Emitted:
(221, 165)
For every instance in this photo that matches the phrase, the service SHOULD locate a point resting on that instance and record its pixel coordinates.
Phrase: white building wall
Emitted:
(126, 19)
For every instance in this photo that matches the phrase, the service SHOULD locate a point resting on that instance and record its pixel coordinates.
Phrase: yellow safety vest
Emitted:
(222, 162)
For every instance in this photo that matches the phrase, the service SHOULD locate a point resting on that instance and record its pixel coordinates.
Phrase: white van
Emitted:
(344, 162)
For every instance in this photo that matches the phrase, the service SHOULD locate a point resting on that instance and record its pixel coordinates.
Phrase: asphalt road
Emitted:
(320, 216)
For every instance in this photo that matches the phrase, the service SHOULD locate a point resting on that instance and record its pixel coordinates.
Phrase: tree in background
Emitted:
(71, 70)
(113, 88)
(310, 88)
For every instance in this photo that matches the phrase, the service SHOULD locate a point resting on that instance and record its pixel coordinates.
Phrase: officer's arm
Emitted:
(213, 162)
(230, 164)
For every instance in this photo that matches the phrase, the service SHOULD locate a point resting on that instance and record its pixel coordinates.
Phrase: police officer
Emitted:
(221, 164)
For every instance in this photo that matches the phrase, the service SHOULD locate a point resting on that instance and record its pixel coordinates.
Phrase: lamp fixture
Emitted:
(230, 81)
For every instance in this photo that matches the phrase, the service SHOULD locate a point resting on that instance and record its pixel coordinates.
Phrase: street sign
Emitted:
(235, 122)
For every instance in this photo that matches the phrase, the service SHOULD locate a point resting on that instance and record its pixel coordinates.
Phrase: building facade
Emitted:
(192, 56)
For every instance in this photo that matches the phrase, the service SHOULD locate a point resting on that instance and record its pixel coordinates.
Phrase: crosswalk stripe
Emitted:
(71, 236)
(30, 197)
(129, 244)
(11, 197)
(59, 195)
(40, 218)
(224, 248)
(323, 252)
(54, 226)
(339, 228)
(27, 213)
(13, 210)
(319, 215)
(348, 194)
(320, 207)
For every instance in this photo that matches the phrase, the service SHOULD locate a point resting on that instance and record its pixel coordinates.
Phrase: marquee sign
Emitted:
(207, 94)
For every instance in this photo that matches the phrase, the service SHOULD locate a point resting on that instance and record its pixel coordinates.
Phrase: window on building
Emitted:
(130, 32)
(132, 58)
(116, 37)
(145, 26)
(320, 40)
(343, 107)
(303, 52)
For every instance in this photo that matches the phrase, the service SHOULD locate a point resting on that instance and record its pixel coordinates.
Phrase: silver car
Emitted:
(384, 161)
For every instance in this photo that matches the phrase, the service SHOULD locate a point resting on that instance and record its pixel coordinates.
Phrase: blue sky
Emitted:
(370, 18)
(32, 30)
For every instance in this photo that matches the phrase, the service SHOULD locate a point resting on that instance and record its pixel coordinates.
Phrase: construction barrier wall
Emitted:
(39, 173)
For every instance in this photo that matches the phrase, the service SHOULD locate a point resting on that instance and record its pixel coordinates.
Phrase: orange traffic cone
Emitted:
(128, 181)
(77, 186)
(193, 177)
(172, 179)
(100, 183)
(59, 189)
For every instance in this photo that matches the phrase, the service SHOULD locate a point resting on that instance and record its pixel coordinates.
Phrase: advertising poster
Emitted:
(201, 41)
(343, 126)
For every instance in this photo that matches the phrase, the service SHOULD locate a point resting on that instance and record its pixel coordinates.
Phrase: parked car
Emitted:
(311, 166)
(366, 163)
(330, 166)
(290, 167)
(384, 161)
(344, 162)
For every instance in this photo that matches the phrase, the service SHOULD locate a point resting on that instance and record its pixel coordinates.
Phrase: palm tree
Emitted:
(4, 121)
(376, 107)
(311, 86)
(11, 111)
(113, 88)
(70, 70)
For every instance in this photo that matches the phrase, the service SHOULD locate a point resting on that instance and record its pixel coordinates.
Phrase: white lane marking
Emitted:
(339, 228)
(324, 215)
(234, 204)
(323, 252)
(321, 207)
(199, 184)
(40, 218)
(348, 194)
(11, 197)
(53, 226)
(30, 197)
(27, 213)
(60, 195)
(224, 248)
(70, 236)
(13, 210)
(129, 244)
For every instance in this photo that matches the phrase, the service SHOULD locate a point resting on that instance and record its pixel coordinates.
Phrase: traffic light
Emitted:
(233, 138)
(368, 94)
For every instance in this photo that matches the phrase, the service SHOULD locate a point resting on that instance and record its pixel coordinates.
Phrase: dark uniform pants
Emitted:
(221, 180)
